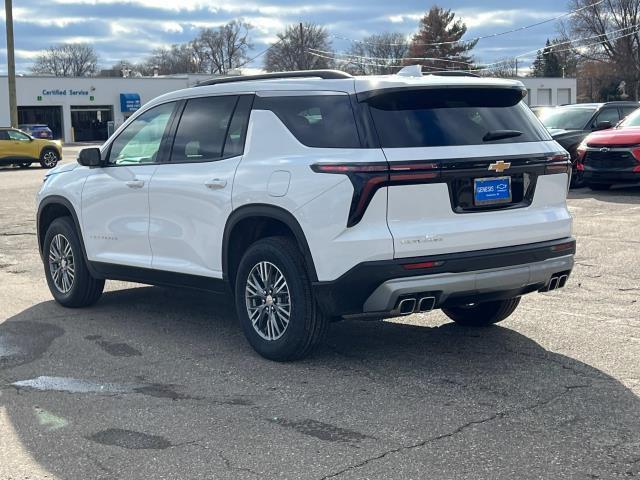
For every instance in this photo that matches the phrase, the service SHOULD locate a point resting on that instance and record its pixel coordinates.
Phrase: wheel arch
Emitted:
(260, 221)
(50, 208)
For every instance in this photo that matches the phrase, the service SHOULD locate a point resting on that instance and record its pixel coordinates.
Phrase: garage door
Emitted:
(564, 96)
(544, 96)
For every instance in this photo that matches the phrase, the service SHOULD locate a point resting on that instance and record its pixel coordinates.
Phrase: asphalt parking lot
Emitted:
(153, 383)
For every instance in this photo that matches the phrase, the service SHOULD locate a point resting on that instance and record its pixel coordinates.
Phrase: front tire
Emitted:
(482, 314)
(49, 158)
(68, 278)
(275, 303)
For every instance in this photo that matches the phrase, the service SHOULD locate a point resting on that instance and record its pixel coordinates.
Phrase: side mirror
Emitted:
(603, 126)
(90, 157)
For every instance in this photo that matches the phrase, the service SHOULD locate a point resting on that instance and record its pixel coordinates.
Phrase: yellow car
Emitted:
(18, 148)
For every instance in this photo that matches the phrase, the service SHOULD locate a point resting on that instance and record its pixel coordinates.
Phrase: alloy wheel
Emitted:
(50, 158)
(268, 300)
(61, 263)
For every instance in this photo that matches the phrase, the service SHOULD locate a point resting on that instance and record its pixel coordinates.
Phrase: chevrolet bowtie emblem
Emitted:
(500, 166)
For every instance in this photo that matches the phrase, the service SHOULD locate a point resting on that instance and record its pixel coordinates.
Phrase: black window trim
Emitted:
(178, 117)
(162, 150)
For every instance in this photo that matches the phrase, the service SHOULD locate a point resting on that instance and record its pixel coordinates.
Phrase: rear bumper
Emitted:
(377, 287)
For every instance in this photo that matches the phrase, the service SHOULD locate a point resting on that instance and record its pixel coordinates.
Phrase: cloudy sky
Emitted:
(120, 29)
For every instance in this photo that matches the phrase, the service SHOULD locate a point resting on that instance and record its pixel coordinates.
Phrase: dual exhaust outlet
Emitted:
(410, 305)
(557, 281)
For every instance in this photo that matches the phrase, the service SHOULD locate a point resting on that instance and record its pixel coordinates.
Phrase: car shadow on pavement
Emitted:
(158, 383)
(626, 194)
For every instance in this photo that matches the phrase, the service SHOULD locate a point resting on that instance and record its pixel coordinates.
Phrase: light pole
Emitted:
(11, 65)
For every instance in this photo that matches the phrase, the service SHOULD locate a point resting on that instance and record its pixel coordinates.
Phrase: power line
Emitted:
(261, 53)
(372, 60)
(476, 39)
(391, 58)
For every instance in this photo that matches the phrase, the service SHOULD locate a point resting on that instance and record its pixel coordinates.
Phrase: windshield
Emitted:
(567, 118)
(633, 120)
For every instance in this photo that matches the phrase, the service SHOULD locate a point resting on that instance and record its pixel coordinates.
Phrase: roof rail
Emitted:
(454, 73)
(323, 74)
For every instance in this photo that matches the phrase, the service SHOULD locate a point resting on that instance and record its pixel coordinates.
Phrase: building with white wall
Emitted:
(544, 91)
(81, 109)
(86, 109)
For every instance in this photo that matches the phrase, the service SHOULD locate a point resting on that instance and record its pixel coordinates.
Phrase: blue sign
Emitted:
(129, 102)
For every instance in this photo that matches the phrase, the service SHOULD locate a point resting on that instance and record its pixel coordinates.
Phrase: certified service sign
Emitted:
(129, 102)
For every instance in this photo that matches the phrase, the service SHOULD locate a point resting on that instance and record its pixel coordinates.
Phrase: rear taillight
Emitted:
(558, 163)
(636, 153)
(368, 178)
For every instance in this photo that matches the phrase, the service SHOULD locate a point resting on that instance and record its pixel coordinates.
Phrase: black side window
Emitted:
(322, 121)
(234, 143)
(607, 115)
(4, 135)
(203, 128)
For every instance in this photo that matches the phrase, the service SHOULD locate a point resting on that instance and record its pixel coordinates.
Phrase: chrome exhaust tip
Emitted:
(553, 284)
(426, 304)
(407, 306)
(562, 281)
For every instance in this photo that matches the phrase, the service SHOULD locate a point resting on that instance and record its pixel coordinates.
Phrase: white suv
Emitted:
(312, 196)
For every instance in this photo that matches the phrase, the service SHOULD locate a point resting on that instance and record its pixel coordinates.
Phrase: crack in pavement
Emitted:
(231, 467)
(456, 431)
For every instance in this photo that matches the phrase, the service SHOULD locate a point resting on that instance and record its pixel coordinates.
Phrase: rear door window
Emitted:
(453, 116)
(203, 128)
(322, 121)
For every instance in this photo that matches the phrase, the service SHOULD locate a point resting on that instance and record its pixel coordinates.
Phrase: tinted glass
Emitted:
(140, 142)
(628, 110)
(4, 135)
(633, 120)
(234, 144)
(567, 118)
(203, 128)
(442, 117)
(322, 121)
(14, 135)
(610, 115)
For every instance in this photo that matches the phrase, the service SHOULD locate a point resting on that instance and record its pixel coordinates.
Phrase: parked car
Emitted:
(310, 196)
(539, 111)
(18, 148)
(37, 130)
(613, 155)
(570, 124)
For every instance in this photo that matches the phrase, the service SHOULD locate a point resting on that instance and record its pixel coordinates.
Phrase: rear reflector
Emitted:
(421, 265)
(636, 153)
(563, 247)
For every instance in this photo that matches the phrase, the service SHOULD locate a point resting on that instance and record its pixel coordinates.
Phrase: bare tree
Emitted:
(67, 60)
(613, 24)
(224, 48)
(293, 50)
(503, 68)
(378, 54)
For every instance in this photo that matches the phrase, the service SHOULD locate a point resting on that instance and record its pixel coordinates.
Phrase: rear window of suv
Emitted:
(321, 121)
(452, 116)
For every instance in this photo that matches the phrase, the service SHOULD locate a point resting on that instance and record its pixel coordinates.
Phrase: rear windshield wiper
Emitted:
(500, 134)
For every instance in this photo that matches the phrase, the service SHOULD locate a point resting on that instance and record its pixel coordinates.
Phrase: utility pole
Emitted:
(301, 64)
(516, 66)
(11, 65)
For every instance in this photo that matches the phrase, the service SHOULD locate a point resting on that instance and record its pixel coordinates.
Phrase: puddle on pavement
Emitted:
(75, 385)
(130, 439)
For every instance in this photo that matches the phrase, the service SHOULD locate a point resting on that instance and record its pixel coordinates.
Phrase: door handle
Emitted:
(135, 183)
(216, 183)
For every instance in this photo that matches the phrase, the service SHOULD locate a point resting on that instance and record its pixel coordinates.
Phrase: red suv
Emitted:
(612, 156)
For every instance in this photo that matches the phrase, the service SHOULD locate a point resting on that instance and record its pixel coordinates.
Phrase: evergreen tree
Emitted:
(440, 27)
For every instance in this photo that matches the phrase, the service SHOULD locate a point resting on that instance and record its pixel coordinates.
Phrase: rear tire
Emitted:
(49, 158)
(275, 302)
(599, 187)
(482, 314)
(68, 278)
